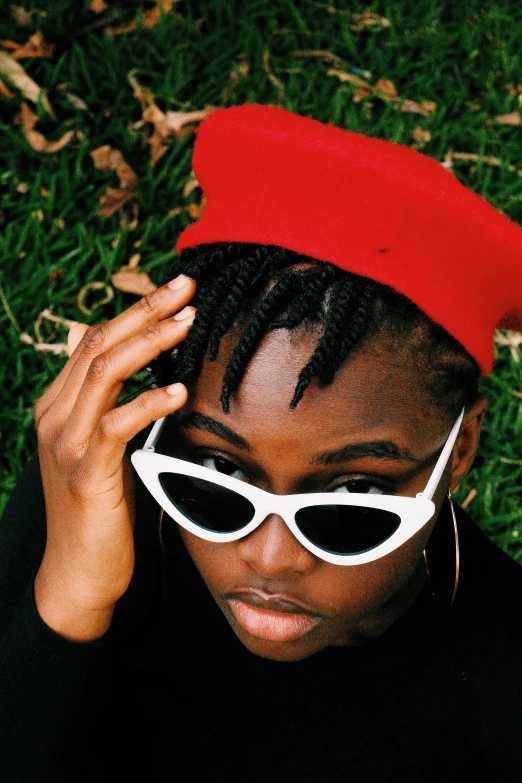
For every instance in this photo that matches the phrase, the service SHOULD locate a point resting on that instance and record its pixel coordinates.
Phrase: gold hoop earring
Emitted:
(162, 512)
(457, 561)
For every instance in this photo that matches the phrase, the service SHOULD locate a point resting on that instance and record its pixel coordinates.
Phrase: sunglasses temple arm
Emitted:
(433, 483)
(150, 443)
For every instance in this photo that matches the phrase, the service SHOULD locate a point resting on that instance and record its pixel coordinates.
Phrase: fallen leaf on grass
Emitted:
(86, 290)
(190, 185)
(236, 75)
(37, 140)
(511, 340)
(471, 496)
(13, 73)
(420, 137)
(106, 158)
(130, 280)
(22, 17)
(75, 101)
(133, 282)
(509, 119)
(97, 6)
(39, 344)
(166, 124)
(274, 80)
(368, 19)
(473, 157)
(385, 90)
(5, 92)
(36, 46)
(194, 210)
(148, 18)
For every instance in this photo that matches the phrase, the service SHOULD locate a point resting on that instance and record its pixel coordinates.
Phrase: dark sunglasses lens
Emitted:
(206, 504)
(346, 530)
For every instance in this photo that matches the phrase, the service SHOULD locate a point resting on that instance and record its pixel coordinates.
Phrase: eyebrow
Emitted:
(201, 422)
(378, 449)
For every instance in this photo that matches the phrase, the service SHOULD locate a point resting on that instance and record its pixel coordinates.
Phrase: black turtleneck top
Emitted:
(169, 693)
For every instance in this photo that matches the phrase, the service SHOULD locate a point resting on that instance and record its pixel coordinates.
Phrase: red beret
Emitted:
(372, 207)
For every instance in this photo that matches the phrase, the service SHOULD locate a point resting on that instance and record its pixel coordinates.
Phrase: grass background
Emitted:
(461, 54)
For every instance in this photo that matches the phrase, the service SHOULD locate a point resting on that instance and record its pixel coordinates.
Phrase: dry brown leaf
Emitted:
(274, 80)
(86, 290)
(424, 107)
(509, 119)
(106, 158)
(37, 140)
(514, 89)
(133, 282)
(165, 124)
(12, 72)
(511, 340)
(473, 157)
(113, 199)
(5, 92)
(148, 20)
(190, 185)
(471, 496)
(97, 6)
(420, 137)
(239, 72)
(77, 102)
(55, 348)
(368, 19)
(36, 46)
(22, 17)
(194, 210)
(384, 89)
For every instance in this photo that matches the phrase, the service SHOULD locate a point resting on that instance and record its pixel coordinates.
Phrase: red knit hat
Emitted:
(369, 206)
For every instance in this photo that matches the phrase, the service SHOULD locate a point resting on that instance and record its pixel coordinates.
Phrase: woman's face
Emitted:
(282, 601)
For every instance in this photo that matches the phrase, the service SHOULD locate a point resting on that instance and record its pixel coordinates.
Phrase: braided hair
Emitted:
(263, 288)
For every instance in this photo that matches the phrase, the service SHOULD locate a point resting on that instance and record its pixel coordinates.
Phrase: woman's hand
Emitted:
(87, 477)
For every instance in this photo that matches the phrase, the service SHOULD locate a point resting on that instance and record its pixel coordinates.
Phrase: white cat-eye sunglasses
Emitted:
(341, 528)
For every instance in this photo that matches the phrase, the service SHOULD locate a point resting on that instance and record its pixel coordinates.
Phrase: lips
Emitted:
(272, 617)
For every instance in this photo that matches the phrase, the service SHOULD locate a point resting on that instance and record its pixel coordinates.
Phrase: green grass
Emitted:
(460, 54)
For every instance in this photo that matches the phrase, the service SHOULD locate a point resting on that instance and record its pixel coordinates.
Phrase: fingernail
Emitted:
(179, 282)
(175, 389)
(187, 312)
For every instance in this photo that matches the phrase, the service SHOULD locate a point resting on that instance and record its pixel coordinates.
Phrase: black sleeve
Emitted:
(53, 691)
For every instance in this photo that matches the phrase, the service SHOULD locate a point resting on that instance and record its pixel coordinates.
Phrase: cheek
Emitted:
(367, 588)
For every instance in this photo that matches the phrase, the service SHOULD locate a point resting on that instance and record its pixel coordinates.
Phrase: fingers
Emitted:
(160, 304)
(107, 373)
(75, 336)
(118, 426)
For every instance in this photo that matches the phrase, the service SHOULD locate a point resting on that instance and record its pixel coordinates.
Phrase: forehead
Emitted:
(379, 390)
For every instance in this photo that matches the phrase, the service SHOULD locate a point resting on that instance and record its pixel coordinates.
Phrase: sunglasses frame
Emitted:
(414, 512)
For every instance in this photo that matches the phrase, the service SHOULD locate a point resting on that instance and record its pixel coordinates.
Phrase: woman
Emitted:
(315, 606)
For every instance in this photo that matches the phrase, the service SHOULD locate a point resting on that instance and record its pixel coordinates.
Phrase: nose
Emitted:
(273, 551)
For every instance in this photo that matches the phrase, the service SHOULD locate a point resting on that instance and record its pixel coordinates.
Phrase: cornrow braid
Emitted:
(246, 278)
(260, 288)
(254, 332)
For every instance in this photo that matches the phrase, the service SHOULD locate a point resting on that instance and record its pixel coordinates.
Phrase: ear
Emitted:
(467, 442)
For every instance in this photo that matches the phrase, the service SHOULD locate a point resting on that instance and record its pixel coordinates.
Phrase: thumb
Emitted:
(74, 336)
